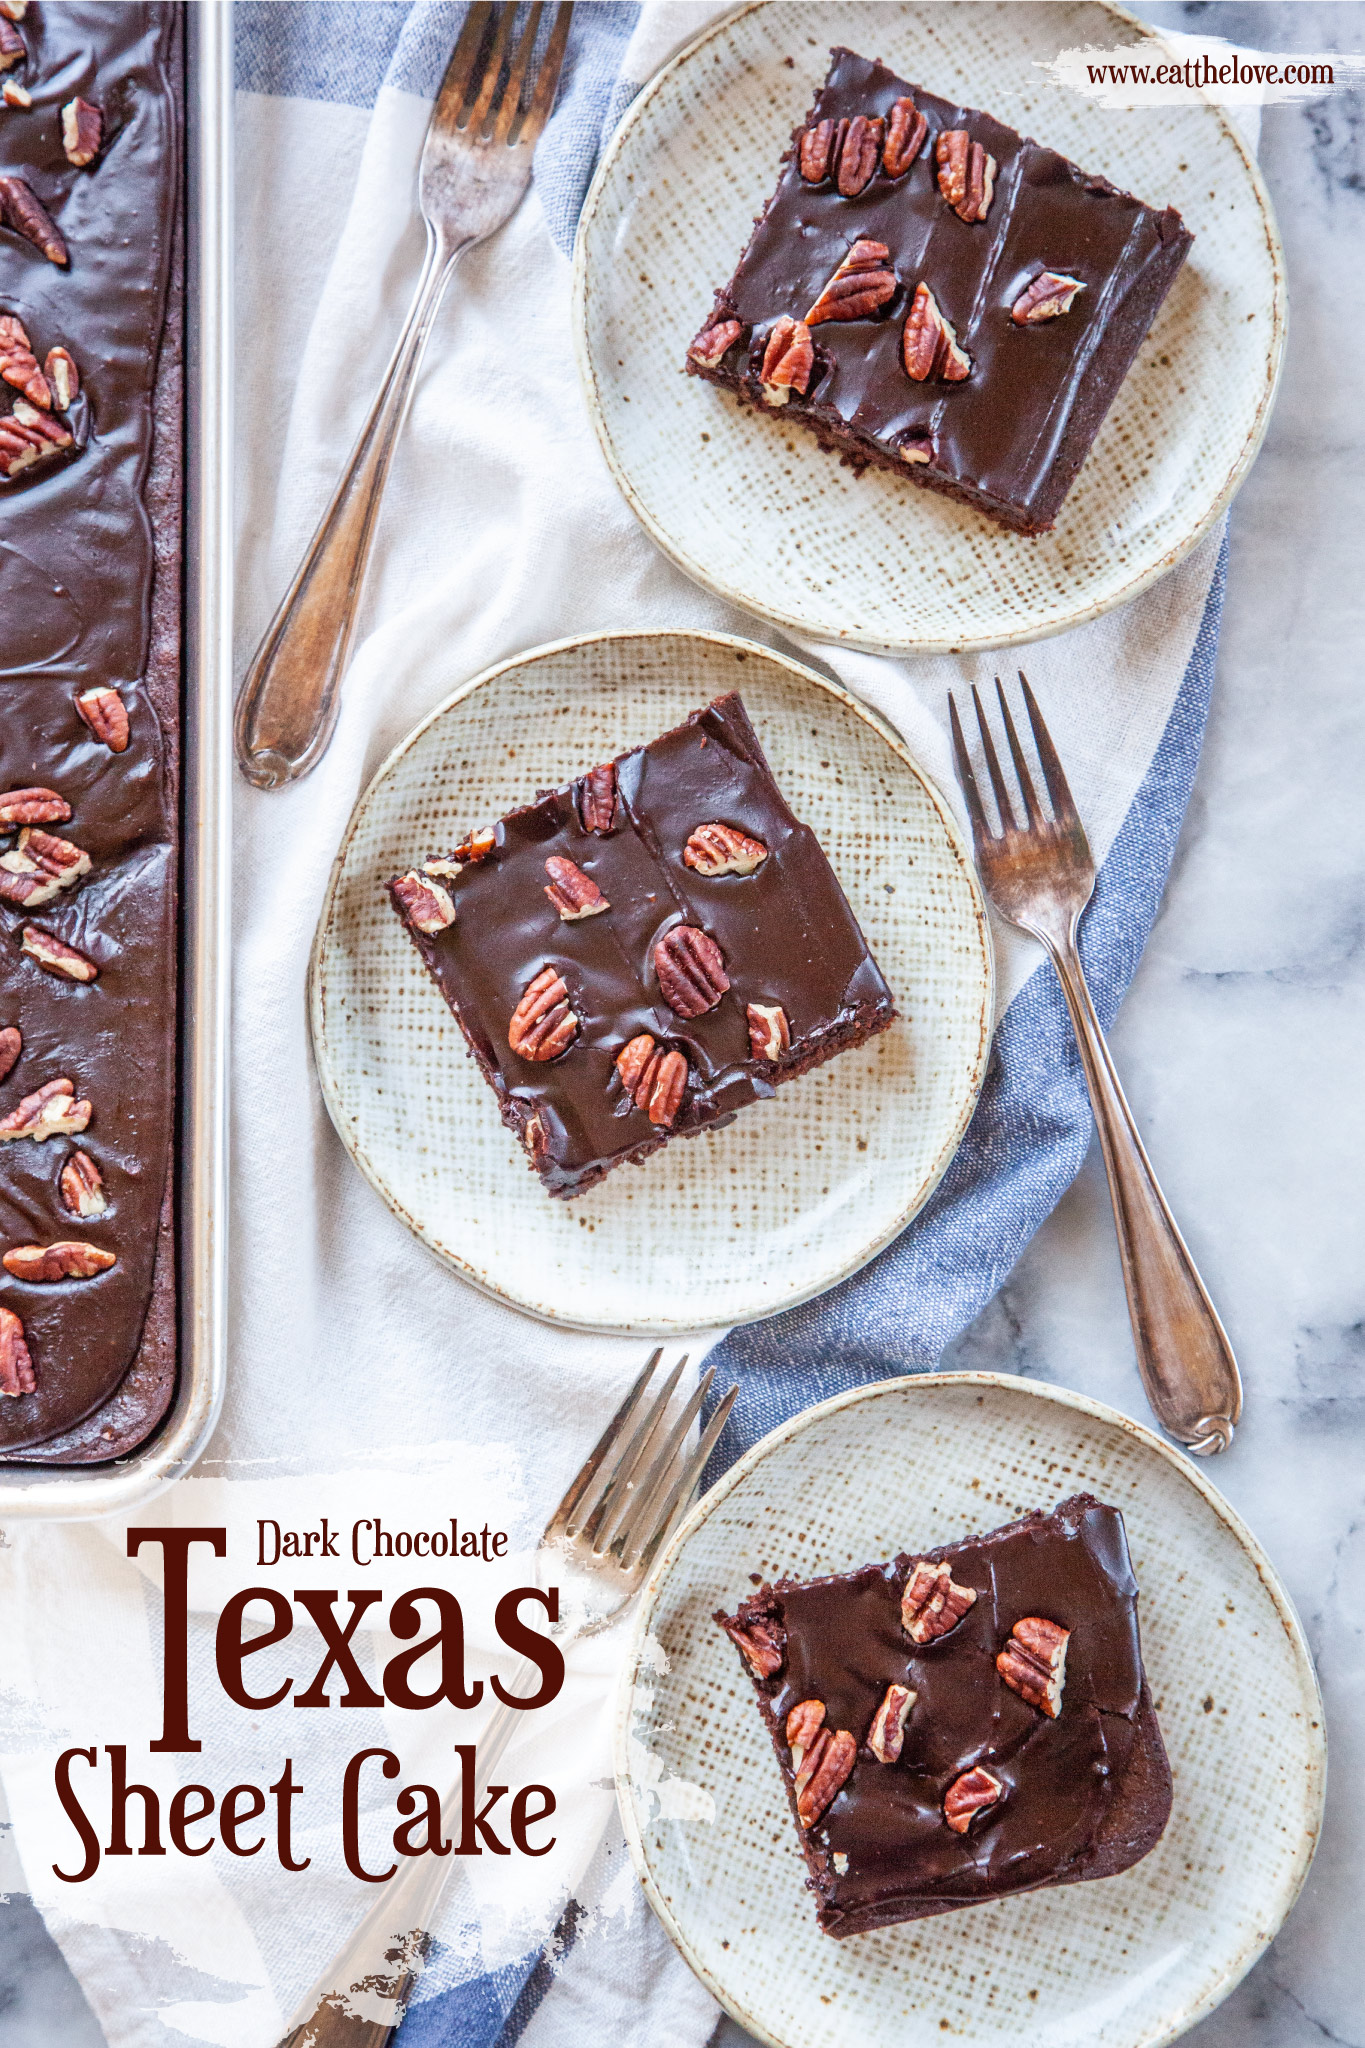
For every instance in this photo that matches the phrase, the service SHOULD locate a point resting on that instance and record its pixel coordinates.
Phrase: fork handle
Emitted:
(292, 692)
(1183, 1353)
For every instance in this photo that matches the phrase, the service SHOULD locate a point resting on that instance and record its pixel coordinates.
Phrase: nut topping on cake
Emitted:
(858, 155)
(82, 132)
(38, 866)
(1047, 298)
(67, 1260)
(475, 847)
(931, 1605)
(54, 956)
(858, 287)
(906, 128)
(691, 970)
(16, 1367)
(48, 429)
(722, 850)
(13, 10)
(788, 361)
(573, 894)
(543, 1024)
(50, 1112)
(63, 377)
(22, 210)
(597, 799)
(18, 364)
(11, 1045)
(425, 902)
(804, 1723)
(916, 447)
(817, 152)
(929, 343)
(14, 94)
(33, 807)
(887, 1733)
(759, 1641)
(715, 338)
(653, 1078)
(969, 1795)
(824, 1772)
(13, 49)
(769, 1033)
(82, 1186)
(966, 174)
(1033, 1663)
(106, 714)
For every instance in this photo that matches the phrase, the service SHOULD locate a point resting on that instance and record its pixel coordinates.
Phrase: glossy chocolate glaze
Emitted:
(77, 585)
(1067, 1782)
(1012, 436)
(786, 931)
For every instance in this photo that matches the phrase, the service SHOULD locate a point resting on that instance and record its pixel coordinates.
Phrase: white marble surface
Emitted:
(1241, 1044)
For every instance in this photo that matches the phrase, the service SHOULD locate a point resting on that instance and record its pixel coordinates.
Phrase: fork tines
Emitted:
(1059, 794)
(483, 88)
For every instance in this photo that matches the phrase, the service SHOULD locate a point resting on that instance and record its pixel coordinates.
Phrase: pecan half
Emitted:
(597, 799)
(106, 714)
(425, 903)
(887, 1733)
(906, 129)
(653, 1078)
(968, 1796)
(1047, 298)
(543, 1024)
(50, 1112)
(818, 150)
(16, 1367)
(788, 361)
(13, 49)
(929, 345)
(55, 432)
(14, 94)
(38, 866)
(713, 341)
(966, 174)
(62, 375)
(931, 1604)
(11, 1045)
(18, 364)
(573, 894)
(82, 132)
(33, 807)
(769, 1032)
(22, 210)
(804, 1723)
(759, 1641)
(82, 1186)
(67, 1260)
(691, 970)
(858, 287)
(825, 1770)
(1033, 1663)
(54, 956)
(862, 147)
(20, 447)
(718, 849)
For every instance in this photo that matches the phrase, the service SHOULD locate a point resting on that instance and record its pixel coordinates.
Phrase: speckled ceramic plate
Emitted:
(730, 1225)
(765, 518)
(1122, 1962)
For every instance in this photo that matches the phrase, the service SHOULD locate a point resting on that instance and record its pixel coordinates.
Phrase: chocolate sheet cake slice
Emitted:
(964, 1723)
(932, 293)
(637, 955)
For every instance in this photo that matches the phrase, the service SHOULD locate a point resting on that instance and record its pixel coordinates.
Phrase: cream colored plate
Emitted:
(799, 1191)
(1119, 1962)
(766, 519)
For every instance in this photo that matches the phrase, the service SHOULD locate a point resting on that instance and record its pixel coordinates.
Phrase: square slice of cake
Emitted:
(930, 292)
(637, 955)
(962, 1723)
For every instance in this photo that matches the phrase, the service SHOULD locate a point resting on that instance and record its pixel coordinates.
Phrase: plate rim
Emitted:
(316, 1006)
(970, 643)
(1268, 1926)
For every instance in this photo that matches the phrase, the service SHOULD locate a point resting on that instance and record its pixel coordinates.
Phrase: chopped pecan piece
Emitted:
(966, 174)
(33, 807)
(106, 714)
(18, 364)
(788, 361)
(573, 894)
(858, 155)
(769, 1032)
(54, 956)
(62, 376)
(969, 1795)
(22, 210)
(931, 1604)
(16, 1367)
(543, 1024)
(818, 150)
(476, 846)
(82, 1186)
(723, 850)
(653, 1078)
(82, 132)
(1033, 1663)
(1047, 298)
(691, 970)
(858, 287)
(917, 446)
(887, 1733)
(824, 1771)
(14, 10)
(597, 799)
(14, 94)
(38, 866)
(67, 1260)
(50, 1112)
(929, 345)
(13, 49)
(713, 341)
(759, 1641)
(804, 1723)
(906, 129)
(425, 903)
(11, 1045)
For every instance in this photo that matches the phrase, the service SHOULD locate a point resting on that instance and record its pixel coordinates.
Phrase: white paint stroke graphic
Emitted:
(1175, 71)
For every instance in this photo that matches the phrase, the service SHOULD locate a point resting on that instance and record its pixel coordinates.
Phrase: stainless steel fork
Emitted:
(597, 1548)
(476, 164)
(1040, 875)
